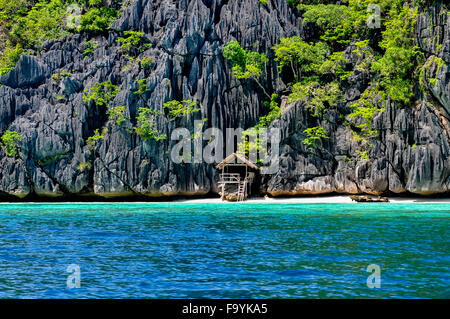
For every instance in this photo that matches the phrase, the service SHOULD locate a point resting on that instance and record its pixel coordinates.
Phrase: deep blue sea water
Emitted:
(177, 250)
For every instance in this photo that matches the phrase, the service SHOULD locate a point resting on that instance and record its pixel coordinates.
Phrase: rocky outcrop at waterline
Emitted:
(187, 36)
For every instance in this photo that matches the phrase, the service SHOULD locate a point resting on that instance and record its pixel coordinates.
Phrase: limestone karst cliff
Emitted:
(410, 154)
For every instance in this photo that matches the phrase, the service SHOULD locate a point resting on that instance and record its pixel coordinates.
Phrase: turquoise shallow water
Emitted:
(231, 250)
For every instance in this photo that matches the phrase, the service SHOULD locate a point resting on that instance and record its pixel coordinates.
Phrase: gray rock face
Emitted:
(413, 154)
(29, 71)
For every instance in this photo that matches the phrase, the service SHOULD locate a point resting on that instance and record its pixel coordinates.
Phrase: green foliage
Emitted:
(299, 55)
(59, 76)
(340, 24)
(294, 3)
(233, 52)
(320, 97)
(51, 159)
(251, 139)
(91, 45)
(264, 2)
(133, 42)
(101, 93)
(180, 108)
(433, 81)
(92, 141)
(363, 155)
(98, 19)
(84, 166)
(274, 113)
(333, 65)
(146, 63)
(313, 136)
(325, 16)
(391, 60)
(397, 61)
(60, 97)
(10, 10)
(10, 141)
(401, 55)
(142, 87)
(43, 21)
(301, 90)
(246, 64)
(117, 114)
(9, 57)
(337, 23)
(361, 46)
(426, 71)
(323, 97)
(97, 15)
(27, 23)
(364, 110)
(147, 126)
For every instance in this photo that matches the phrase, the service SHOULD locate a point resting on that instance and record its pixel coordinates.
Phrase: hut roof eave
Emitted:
(230, 159)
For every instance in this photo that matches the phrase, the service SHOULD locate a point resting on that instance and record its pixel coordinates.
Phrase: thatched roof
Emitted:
(231, 159)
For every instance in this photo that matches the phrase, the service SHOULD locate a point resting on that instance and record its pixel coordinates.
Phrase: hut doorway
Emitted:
(236, 177)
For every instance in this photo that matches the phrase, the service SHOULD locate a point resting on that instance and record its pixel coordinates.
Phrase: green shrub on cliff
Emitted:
(93, 140)
(50, 159)
(245, 64)
(147, 125)
(180, 108)
(45, 20)
(91, 45)
(117, 114)
(142, 87)
(313, 136)
(10, 141)
(301, 57)
(389, 53)
(362, 155)
(133, 43)
(340, 24)
(324, 16)
(27, 23)
(253, 138)
(334, 65)
(102, 93)
(401, 55)
(370, 103)
(98, 19)
(146, 63)
(10, 57)
(318, 97)
(274, 112)
(84, 166)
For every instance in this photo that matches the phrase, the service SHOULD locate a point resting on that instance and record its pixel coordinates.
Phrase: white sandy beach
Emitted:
(340, 199)
(337, 199)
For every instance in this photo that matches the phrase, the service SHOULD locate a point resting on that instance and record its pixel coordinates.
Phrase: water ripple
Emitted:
(224, 251)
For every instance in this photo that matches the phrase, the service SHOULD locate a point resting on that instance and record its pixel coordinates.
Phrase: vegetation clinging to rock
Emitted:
(10, 141)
